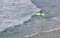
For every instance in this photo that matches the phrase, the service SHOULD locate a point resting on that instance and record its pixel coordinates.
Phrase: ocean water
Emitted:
(18, 20)
(13, 12)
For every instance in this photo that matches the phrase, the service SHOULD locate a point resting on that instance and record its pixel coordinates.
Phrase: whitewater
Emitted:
(18, 20)
(13, 12)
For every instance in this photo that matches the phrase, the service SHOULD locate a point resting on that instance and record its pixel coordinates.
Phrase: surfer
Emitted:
(41, 15)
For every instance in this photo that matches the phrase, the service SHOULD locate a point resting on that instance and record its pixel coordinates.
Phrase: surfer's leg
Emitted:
(41, 18)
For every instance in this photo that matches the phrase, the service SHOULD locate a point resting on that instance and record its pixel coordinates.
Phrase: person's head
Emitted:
(40, 11)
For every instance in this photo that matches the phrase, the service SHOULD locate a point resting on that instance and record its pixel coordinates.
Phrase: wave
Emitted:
(14, 12)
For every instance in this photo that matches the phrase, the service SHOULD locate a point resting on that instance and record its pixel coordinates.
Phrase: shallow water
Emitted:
(32, 26)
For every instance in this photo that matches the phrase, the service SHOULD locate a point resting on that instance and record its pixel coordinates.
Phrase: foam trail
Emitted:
(30, 35)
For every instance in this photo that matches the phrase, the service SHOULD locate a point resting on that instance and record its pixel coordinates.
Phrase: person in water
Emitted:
(40, 13)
